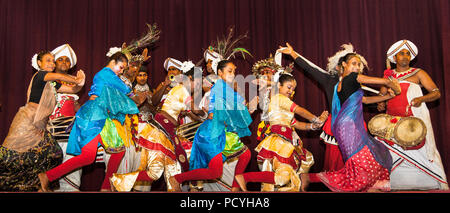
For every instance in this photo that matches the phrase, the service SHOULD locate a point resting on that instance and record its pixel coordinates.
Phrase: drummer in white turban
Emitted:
(65, 55)
(63, 114)
(418, 167)
(173, 67)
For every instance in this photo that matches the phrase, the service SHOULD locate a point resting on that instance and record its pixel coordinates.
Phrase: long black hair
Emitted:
(222, 64)
(285, 78)
(346, 58)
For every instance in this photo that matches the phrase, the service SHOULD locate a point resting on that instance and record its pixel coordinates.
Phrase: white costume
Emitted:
(421, 168)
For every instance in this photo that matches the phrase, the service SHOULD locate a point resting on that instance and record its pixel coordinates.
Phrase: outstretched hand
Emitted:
(395, 85)
(81, 77)
(286, 50)
(322, 118)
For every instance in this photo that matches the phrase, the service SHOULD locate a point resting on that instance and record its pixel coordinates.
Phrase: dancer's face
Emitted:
(141, 78)
(47, 62)
(227, 73)
(118, 67)
(62, 64)
(287, 88)
(132, 70)
(403, 58)
(209, 67)
(267, 73)
(353, 65)
(173, 71)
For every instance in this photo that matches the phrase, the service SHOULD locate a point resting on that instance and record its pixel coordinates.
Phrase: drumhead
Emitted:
(379, 124)
(409, 131)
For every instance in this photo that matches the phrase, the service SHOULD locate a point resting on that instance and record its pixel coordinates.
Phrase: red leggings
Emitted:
(215, 169)
(87, 156)
(113, 165)
(260, 177)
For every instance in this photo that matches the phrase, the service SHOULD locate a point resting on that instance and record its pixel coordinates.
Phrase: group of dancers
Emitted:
(142, 133)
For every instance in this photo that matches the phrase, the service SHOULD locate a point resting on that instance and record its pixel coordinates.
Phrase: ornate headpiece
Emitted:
(333, 61)
(225, 48)
(279, 68)
(148, 39)
(182, 66)
(265, 63)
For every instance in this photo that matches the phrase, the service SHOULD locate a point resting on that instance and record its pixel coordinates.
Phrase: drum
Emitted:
(404, 131)
(409, 131)
(381, 126)
(58, 128)
(188, 130)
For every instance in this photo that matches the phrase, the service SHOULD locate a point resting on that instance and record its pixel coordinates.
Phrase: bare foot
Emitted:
(241, 181)
(304, 177)
(174, 183)
(235, 189)
(44, 182)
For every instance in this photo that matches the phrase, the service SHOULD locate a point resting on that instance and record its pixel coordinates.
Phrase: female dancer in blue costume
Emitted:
(219, 135)
(367, 162)
(108, 99)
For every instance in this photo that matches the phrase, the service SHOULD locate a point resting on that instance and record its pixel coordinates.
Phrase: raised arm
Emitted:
(393, 84)
(160, 90)
(78, 80)
(317, 73)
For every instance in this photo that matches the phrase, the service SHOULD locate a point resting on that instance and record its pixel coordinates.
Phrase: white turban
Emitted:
(400, 45)
(186, 66)
(170, 62)
(214, 57)
(65, 50)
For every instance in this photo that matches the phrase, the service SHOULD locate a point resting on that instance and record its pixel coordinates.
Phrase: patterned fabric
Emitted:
(263, 130)
(348, 129)
(111, 102)
(230, 115)
(281, 110)
(18, 171)
(367, 162)
(176, 101)
(360, 173)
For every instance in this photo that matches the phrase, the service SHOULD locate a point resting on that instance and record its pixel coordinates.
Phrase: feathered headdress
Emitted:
(149, 38)
(333, 61)
(226, 47)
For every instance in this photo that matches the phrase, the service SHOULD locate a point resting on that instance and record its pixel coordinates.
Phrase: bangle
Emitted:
(311, 127)
(435, 89)
(131, 94)
(316, 120)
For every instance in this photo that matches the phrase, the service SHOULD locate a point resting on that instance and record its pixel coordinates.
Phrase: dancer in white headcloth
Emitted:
(418, 167)
(29, 148)
(64, 113)
(173, 68)
(163, 151)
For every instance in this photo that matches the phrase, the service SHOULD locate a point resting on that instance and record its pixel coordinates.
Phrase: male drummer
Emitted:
(419, 167)
(64, 112)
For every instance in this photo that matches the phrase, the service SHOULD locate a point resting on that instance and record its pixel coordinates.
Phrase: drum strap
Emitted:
(413, 72)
